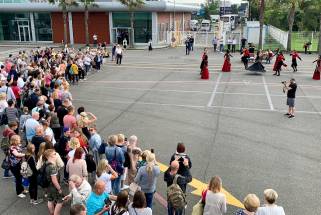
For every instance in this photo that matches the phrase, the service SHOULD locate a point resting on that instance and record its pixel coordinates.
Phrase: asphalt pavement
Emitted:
(232, 125)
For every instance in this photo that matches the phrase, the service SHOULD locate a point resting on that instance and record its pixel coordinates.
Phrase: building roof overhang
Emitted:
(150, 6)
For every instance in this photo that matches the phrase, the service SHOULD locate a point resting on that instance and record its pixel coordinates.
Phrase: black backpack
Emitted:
(42, 177)
(91, 164)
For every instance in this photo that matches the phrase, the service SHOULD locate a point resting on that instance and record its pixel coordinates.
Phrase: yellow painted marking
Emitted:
(200, 186)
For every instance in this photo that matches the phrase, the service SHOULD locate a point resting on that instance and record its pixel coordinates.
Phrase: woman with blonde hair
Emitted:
(105, 173)
(73, 144)
(15, 159)
(3, 102)
(146, 178)
(251, 203)
(215, 200)
(270, 208)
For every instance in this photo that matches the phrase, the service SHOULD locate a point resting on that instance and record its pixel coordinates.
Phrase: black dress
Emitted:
(257, 66)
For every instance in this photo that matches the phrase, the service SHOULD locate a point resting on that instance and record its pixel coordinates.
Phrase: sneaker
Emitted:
(25, 192)
(32, 201)
(85, 79)
(38, 201)
(287, 114)
(21, 195)
(291, 116)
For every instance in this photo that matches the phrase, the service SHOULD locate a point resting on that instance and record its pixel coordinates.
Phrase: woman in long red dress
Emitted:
(316, 74)
(227, 62)
(204, 66)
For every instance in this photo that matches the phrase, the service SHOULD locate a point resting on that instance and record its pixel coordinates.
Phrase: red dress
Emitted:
(316, 74)
(205, 74)
(227, 65)
(276, 63)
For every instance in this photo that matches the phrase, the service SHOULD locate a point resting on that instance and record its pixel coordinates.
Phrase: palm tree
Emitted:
(87, 4)
(132, 5)
(64, 5)
(262, 6)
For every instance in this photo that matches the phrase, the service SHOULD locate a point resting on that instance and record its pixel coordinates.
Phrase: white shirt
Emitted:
(215, 203)
(139, 211)
(270, 210)
(119, 50)
(50, 133)
(20, 83)
(80, 195)
(3, 105)
(107, 179)
(234, 42)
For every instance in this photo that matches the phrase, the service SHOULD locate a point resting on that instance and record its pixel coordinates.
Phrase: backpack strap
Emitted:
(175, 178)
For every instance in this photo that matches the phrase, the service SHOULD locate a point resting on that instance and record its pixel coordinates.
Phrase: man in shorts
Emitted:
(291, 90)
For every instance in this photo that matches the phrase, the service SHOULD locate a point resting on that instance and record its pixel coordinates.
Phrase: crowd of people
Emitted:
(50, 144)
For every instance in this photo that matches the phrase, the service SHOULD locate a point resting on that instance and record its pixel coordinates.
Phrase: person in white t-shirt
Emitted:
(119, 54)
(105, 173)
(270, 208)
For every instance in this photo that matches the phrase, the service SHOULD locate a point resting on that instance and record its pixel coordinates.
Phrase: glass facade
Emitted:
(17, 27)
(43, 26)
(142, 25)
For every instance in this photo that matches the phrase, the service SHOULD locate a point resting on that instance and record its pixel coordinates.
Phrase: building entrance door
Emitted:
(119, 34)
(24, 30)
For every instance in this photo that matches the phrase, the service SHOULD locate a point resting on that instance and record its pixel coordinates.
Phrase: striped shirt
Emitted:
(12, 114)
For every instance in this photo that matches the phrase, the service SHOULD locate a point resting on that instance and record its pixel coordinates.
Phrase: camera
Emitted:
(107, 202)
(283, 82)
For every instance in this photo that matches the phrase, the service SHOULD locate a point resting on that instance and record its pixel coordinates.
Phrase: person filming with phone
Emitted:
(99, 202)
(290, 88)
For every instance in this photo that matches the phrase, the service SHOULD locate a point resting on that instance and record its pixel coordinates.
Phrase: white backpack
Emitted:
(25, 170)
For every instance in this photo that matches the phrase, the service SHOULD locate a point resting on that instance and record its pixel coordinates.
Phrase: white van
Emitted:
(194, 25)
(205, 25)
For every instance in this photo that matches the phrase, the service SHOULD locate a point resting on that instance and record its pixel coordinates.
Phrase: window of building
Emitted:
(43, 26)
(142, 25)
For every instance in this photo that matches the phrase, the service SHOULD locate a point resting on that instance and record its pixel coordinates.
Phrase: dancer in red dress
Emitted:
(294, 64)
(279, 63)
(316, 74)
(204, 66)
(227, 62)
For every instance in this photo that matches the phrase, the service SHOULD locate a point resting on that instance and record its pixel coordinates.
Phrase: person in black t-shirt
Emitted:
(291, 90)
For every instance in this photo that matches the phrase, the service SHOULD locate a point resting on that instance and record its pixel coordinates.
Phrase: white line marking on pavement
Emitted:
(210, 102)
(267, 92)
(195, 106)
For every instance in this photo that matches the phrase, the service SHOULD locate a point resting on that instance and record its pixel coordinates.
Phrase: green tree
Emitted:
(211, 9)
(64, 5)
(87, 4)
(262, 7)
(132, 5)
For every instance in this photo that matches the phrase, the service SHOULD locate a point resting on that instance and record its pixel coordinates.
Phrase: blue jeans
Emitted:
(6, 173)
(149, 199)
(115, 185)
(171, 210)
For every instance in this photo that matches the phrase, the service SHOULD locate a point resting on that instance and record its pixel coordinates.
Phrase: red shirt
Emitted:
(16, 91)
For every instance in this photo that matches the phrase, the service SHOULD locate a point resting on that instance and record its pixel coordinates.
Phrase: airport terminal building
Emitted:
(29, 21)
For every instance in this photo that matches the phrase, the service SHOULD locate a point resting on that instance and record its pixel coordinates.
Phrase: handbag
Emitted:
(198, 209)
(5, 163)
(133, 187)
(4, 118)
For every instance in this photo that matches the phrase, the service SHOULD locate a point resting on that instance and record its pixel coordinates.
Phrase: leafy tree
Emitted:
(87, 4)
(211, 9)
(64, 5)
(132, 5)
(262, 7)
